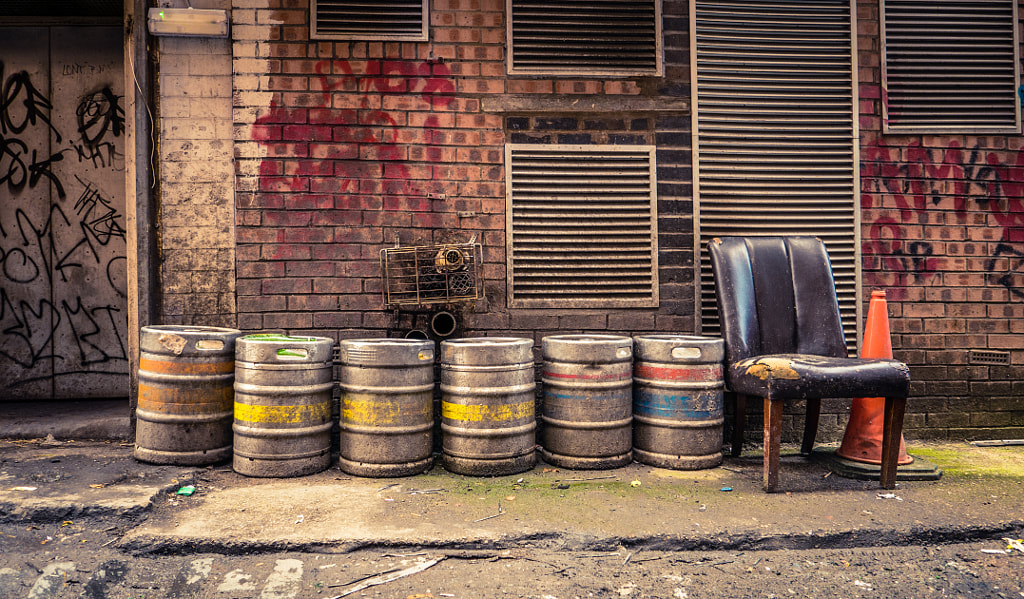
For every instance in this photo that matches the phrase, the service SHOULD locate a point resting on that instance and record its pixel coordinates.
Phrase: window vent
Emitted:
(595, 37)
(775, 150)
(950, 66)
(582, 223)
(369, 20)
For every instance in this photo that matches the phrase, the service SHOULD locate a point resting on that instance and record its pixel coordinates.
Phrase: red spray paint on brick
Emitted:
(353, 152)
(974, 183)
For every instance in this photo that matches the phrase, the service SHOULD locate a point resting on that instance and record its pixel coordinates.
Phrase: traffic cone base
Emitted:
(862, 441)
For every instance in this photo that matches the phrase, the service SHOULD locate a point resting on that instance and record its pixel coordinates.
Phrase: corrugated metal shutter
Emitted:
(950, 66)
(581, 226)
(775, 132)
(610, 37)
(369, 20)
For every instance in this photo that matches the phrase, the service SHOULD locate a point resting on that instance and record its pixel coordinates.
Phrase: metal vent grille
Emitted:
(369, 20)
(431, 274)
(775, 149)
(611, 37)
(950, 66)
(582, 224)
(989, 357)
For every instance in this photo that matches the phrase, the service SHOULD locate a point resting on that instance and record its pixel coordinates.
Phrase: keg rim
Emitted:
(180, 329)
(489, 341)
(402, 341)
(587, 338)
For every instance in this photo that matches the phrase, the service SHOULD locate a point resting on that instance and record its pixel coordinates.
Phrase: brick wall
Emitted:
(942, 230)
(344, 147)
(196, 190)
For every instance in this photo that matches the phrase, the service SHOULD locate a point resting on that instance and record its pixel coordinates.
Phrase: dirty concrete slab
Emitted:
(636, 505)
(639, 505)
(49, 479)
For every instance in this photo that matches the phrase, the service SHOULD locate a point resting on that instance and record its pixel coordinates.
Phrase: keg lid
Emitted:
(187, 340)
(487, 351)
(386, 351)
(679, 348)
(274, 347)
(586, 348)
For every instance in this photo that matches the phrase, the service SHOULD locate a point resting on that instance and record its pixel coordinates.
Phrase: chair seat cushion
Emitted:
(804, 376)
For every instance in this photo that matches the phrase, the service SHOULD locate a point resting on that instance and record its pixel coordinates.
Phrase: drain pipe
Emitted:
(443, 324)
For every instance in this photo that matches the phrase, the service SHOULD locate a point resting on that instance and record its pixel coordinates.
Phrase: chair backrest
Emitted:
(776, 295)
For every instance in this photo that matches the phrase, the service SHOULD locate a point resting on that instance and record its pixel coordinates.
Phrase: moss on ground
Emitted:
(968, 461)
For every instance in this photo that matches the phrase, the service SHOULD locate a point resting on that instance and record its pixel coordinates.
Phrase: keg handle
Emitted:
(210, 344)
(686, 353)
(292, 353)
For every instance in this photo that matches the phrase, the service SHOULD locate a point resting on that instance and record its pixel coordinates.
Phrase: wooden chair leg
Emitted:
(739, 425)
(772, 442)
(892, 430)
(811, 425)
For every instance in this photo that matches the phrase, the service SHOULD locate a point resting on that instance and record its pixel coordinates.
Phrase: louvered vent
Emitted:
(950, 66)
(610, 37)
(369, 20)
(582, 226)
(776, 139)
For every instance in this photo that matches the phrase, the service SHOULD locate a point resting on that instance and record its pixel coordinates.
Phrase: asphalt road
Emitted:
(76, 559)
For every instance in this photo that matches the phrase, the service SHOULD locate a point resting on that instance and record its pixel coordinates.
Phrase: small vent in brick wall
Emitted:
(613, 37)
(987, 356)
(360, 20)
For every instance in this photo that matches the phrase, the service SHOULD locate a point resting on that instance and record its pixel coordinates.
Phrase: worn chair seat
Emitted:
(803, 376)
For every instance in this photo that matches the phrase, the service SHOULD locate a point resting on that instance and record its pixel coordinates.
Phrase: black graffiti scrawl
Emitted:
(63, 265)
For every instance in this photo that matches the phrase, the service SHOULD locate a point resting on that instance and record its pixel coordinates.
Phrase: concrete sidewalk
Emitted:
(87, 419)
(636, 506)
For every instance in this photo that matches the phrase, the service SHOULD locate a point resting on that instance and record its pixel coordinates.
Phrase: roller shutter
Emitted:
(775, 137)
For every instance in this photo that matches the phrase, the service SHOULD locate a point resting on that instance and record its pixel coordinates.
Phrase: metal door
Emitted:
(63, 275)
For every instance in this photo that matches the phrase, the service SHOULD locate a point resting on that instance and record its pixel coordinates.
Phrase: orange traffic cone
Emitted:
(862, 441)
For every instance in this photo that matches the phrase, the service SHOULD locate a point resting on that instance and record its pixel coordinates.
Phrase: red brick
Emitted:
(309, 268)
(286, 218)
(337, 217)
(286, 286)
(336, 285)
(260, 270)
(306, 133)
(383, 152)
(305, 235)
(287, 320)
(387, 219)
(284, 251)
(358, 234)
(335, 319)
(304, 168)
(333, 152)
(262, 303)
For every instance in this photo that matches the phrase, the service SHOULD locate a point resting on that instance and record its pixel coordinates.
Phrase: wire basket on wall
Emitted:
(431, 274)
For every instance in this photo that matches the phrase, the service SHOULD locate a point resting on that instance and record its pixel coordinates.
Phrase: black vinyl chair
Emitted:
(784, 341)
